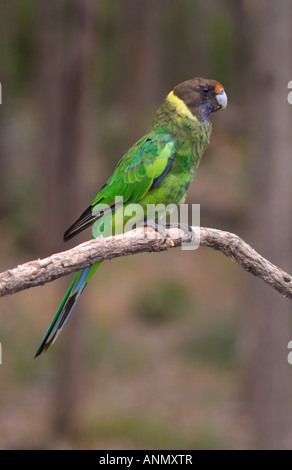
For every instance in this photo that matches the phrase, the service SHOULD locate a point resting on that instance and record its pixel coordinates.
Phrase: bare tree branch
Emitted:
(38, 272)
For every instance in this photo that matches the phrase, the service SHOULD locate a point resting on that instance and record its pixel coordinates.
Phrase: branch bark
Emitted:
(40, 271)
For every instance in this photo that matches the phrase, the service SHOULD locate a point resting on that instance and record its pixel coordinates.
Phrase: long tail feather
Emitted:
(68, 303)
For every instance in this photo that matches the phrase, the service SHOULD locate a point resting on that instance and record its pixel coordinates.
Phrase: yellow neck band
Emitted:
(180, 107)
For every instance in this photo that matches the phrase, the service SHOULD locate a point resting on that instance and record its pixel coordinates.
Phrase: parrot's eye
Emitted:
(205, 89)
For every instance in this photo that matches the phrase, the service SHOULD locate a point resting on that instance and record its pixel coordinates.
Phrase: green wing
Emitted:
(137, 171)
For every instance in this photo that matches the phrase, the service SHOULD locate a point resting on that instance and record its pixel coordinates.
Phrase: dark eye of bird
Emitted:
(205, 89)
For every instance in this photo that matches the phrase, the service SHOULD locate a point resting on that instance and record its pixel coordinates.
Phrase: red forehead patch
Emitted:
(218, 88)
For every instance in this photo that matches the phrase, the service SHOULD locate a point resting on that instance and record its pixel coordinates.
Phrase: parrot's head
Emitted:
(201, 96)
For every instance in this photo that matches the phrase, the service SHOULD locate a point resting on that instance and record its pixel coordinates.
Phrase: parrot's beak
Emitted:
(221, 98)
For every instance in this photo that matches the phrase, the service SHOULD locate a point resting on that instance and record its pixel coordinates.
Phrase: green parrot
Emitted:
(158, 169)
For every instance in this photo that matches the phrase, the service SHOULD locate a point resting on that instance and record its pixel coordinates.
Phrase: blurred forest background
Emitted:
(177, 350)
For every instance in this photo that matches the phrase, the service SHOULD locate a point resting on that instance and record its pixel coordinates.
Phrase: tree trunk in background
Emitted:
(140, 89)
(6, 15)
(267, 316)
(66, 54)
(2, 167)
(66, 51)
(2, 159)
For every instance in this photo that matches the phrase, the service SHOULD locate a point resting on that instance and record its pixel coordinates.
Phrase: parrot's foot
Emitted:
(189, 236)
(159, 228)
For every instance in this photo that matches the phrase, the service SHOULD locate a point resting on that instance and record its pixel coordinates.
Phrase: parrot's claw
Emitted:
(189, 235)
(156, 226)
